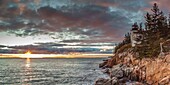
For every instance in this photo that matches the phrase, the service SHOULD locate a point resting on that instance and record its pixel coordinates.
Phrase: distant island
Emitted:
(143, 57)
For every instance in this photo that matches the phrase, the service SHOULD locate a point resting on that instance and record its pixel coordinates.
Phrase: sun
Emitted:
(28, 52)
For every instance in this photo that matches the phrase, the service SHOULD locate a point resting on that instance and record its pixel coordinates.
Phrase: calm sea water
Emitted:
(49, 71)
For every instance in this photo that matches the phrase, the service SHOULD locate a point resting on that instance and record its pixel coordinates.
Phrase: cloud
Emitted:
(26, 32)
(53, 48)
(2, 46)
(95, 18)
(86, 20)
(73, 20)
(130, 5)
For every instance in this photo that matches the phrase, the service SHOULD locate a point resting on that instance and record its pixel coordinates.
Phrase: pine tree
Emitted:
(168, 36)
(127, 38)
(148, 22)
(159, 23)
(169, 21)
(124, 42)
(157, 27)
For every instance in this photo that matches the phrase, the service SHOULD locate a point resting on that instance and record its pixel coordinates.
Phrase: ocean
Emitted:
(50, 71)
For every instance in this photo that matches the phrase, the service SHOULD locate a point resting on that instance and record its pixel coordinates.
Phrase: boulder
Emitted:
(107, 71)
(114, 81)
(120, 71)
(116, 71)
(165, 81)
(127, 71)
(123, 80)
(134, 83)
(110, 62)
(101, 81)
(102, 65)
(167, 58)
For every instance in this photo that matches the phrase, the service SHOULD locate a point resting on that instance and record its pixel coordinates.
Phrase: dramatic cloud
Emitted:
(68, 21)
(54, 48)
(97, 19)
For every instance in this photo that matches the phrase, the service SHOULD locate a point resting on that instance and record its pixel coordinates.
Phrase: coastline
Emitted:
(143, 57)
(126, 68)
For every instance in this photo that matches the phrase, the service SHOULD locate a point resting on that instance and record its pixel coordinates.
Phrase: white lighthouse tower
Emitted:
(136, 35)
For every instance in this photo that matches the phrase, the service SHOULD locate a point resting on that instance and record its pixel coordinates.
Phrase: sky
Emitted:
(66, 26)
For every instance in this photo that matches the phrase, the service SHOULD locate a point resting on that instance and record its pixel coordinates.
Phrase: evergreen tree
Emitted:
(127, 38)
(148, 22)
(168, 36)
(124, 42)
(157, 27)
(159, 23)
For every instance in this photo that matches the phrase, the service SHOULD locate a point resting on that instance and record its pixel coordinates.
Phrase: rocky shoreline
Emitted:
(143, 57)
(126, 69)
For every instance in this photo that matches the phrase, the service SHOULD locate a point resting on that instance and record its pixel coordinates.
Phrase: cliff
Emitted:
(126, 67)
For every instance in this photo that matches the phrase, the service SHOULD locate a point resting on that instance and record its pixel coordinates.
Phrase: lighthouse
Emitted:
(136, 35)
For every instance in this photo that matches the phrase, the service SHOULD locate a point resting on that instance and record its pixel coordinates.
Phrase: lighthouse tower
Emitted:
(136, 35)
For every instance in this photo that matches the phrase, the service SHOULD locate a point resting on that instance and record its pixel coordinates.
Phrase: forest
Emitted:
(155, 30)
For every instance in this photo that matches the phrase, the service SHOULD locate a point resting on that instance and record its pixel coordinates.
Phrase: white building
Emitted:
(136, 35)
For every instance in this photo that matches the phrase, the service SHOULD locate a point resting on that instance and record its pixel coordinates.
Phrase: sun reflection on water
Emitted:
(27, 62)
(27, 71)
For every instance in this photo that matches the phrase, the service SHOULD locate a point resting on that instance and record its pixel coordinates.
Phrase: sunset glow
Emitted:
(29, 55)
(28, 52)
(54, 55)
